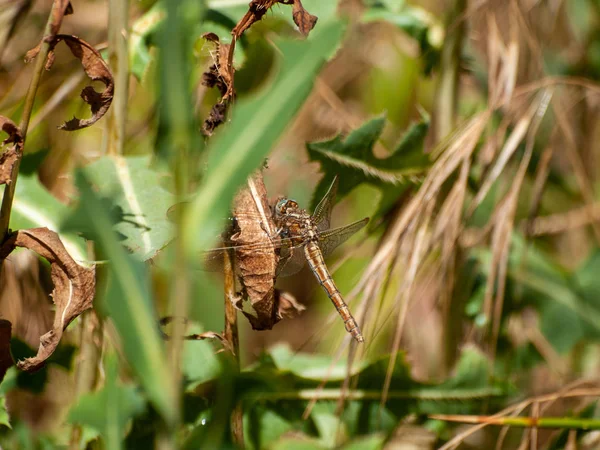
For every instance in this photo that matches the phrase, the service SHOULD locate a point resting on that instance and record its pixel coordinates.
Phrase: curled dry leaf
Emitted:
(64, 8)
(9, 158)
(219, 75)
(74, 286)
(305, 21)
(95, 67)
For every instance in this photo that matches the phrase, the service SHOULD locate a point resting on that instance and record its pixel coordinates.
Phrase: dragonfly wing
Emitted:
(322, 213)
(291, 257)
(329, 240)
(212, 260)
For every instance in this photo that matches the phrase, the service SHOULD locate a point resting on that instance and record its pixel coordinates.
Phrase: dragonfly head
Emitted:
(285, 207)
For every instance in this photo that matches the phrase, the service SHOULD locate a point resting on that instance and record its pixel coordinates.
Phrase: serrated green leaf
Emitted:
(239, 148)
(352, 159)
(110, 409)
(136, 188)
(128, 302)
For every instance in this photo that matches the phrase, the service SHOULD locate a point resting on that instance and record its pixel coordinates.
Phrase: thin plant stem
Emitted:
(118, 58)
(40, 63)
(232, 336)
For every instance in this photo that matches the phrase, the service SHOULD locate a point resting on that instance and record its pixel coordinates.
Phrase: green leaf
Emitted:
(375, 441)
(312, 367)
(136, 188)
(263, 426)
(329, 426)
(110, 409)
(140, 37)
(199, 362)
(352, 159)
(128, 302)
(257, 124)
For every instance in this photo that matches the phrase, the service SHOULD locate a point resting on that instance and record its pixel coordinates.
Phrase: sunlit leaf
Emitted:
(136, 188)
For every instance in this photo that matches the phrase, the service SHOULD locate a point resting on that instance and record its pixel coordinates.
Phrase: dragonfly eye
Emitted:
(281, 206)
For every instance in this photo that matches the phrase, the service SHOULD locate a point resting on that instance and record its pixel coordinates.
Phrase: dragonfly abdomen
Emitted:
(315, 259)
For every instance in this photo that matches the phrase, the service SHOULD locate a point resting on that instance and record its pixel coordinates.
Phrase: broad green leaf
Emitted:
(199, 362)
(314, 367)
(352, 159)
(263, 426)
(136, 188)
(109, 409)
(128, 302)
(258, 122)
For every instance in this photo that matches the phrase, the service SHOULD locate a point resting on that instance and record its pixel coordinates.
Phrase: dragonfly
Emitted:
(302, 238)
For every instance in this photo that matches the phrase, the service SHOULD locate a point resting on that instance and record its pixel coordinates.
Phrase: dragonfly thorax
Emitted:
(294, 222)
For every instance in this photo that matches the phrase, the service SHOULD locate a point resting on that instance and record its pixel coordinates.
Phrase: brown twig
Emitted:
(232, 336)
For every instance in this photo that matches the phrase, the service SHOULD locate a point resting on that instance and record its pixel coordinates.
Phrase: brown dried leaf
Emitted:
(74, 286)
(95, 67)
(257, 266)
(64, 8)
(14, 132)
(220, 75)
(6, 360)
(9, 158)
(305, 21)
(288, 306)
